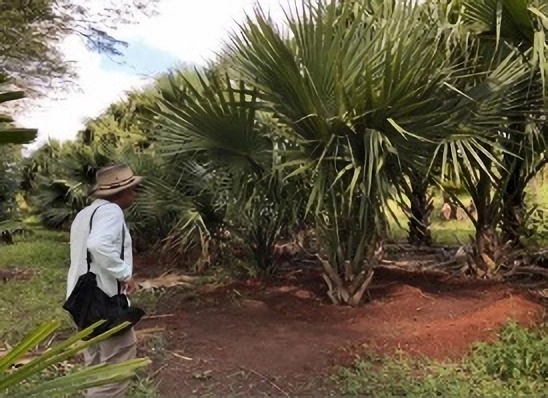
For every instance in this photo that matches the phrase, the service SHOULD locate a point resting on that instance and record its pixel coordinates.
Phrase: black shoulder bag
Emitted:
(88, 304)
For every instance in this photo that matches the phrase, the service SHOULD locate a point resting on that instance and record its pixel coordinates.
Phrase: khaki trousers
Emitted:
(114, 350)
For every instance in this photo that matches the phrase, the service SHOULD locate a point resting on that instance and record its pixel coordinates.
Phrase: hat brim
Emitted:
(96, 192)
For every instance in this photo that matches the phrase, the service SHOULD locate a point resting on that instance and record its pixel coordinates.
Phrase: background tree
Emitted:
(10, 158)
(125, 122)
(9, 134)
(31, 31)
(496, 179)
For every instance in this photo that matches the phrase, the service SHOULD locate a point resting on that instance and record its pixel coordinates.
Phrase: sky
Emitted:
(183, 32)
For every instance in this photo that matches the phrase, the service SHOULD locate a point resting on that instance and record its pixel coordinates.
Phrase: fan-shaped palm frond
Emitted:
(215, 135)
(60, 185)
(522, 24)
(57, 202)
(215, 118)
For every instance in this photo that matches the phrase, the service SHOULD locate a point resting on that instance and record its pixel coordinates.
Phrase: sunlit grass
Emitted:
(37, 295)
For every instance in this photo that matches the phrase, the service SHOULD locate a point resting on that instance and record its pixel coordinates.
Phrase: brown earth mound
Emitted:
(282, 337)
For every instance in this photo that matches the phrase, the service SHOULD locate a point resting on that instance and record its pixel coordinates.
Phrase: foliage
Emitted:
(34, 275)
(40, 163)
(176, 207)
(9, 164)
(21, 381)
(519, 354)
(124, 122)
(8, 133)
(59, 202)
(9, 158)
(536, 226)
(516, 365)
(59, 178)
(144, 387)
(229, 175)
(496, 179)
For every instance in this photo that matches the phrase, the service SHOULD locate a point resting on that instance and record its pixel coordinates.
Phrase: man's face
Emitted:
(127, 198)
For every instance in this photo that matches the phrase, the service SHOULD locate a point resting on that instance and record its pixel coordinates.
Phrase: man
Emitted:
(114, 192)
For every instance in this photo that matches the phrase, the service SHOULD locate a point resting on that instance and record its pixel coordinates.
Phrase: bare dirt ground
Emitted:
(9, 274)
(282, 337)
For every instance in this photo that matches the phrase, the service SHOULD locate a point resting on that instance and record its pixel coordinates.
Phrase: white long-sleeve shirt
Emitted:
(104, 243)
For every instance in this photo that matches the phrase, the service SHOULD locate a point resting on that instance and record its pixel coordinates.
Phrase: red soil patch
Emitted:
(9, 274)
(282, 337)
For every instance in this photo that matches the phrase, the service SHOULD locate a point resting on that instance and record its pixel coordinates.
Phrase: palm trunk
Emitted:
(348, 282)
(513, 196)
(349, 247)
(486, 252)
(348, 288)
(513, 201)
(420, 210)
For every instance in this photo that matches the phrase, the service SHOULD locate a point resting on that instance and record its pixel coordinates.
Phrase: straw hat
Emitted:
(114, 179)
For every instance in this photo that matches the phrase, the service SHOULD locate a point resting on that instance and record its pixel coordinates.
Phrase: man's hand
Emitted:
(129, 287)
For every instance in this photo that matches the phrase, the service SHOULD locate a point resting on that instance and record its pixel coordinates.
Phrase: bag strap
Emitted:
(122, 254)
(90, 226)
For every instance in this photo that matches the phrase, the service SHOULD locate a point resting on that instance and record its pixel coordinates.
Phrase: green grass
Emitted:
(459, 232)
(27, 302)
(144, 387)
(516, 365)
(443, 232)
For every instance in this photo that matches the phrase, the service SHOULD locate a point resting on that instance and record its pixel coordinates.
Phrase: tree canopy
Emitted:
(31, 33)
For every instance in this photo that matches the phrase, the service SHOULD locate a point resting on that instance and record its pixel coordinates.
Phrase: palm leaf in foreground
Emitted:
(19, 383)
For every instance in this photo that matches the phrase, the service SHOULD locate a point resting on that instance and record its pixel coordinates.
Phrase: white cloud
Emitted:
(96, 89)
(193, 30)
(188, 29)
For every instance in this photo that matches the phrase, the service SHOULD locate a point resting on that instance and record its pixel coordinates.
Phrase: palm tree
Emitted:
(498, 190)
(359, 104)
(221, 151)
(523, 25)
(58, 179)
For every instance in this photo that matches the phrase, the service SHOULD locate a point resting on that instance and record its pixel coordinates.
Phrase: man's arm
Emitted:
(103, 242)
